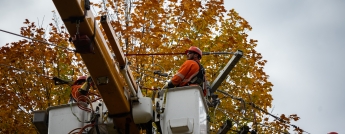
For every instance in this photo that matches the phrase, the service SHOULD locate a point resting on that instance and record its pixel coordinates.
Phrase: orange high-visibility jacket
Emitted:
(188, 70)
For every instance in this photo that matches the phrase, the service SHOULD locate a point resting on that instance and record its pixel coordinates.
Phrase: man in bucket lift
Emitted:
(191, 72)
(79, 87)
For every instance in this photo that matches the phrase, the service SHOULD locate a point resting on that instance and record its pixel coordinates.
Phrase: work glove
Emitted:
(89, 79)
(165, 86)
(168, 85)
(84, 89)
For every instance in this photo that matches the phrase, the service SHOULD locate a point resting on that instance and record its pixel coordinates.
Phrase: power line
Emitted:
(256, 107)
(37, 40)
(203, 53)
(22, 70)
(152, 76)
(225, 112)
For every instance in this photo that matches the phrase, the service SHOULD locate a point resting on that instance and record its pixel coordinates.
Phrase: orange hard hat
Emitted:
(195, 49)
(332, 133)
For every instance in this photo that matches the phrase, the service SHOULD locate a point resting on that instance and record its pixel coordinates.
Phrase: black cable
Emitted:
(152, 76)
(256, 107)
(225, 113)
(273, 128)
(37, 40)
(96, 123)
(11, 67)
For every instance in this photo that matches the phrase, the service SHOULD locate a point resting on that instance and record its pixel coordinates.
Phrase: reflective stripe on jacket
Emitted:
(188, 70)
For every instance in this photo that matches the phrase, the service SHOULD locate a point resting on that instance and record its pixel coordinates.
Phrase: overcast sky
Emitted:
(303, 41)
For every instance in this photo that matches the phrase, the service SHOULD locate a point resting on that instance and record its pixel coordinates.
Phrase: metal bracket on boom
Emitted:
(59, 81)
(102, 80)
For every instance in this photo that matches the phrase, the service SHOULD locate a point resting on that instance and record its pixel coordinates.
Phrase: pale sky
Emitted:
(303, 41)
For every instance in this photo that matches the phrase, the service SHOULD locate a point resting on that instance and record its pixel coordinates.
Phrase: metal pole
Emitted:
(226, 70)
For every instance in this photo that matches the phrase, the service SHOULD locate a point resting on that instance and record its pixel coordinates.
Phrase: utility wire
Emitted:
(225, 112)
(273, 128)
(152, 76)
(203, 53)
(37, 40)
(22, 70)
(256, 107)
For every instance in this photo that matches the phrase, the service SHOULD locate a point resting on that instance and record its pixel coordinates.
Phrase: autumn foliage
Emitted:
(147, 26)
(27, 69)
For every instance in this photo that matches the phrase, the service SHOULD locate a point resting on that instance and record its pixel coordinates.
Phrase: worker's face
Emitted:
(190, 55)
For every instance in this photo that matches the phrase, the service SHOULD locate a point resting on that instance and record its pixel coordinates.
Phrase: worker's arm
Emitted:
(187, 71)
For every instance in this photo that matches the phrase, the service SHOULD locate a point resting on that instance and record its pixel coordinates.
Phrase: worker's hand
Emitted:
(89, 79)
(165, 86)
(168, 85)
